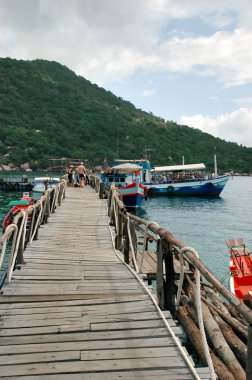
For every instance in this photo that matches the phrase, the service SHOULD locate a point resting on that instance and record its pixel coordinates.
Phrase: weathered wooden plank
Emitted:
(67, 310)
(177, 374)
(60, 292)
(20, 301)
(46, 329)
(74, 317)
(90, 366)
(126, 325)
(87, 345)
(84, 336)
(39, 357)
(130, 353)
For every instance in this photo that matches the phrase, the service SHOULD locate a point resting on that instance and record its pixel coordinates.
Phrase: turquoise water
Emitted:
(202, 223)
(205, 223)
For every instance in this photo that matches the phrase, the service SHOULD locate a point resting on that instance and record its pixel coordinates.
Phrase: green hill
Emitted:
(47, 111)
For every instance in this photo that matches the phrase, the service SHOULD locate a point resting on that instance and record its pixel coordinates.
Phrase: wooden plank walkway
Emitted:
(74, 311)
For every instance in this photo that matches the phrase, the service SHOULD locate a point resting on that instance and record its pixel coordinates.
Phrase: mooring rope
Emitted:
(37, 221)
(4, 243)
(131, 245)
(16, 246)
(181, 279)
(144, 244)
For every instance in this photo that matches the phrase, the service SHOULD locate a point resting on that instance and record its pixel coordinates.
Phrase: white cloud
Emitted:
(148, 92)
(109, 40)
(236, 125)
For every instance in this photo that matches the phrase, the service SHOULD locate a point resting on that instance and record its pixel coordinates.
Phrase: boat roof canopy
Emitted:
(126, 168)
(50, 179)
(20, 202)
(133, 161)
(178, 168)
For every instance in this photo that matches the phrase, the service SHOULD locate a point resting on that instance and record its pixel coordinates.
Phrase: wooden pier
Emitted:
(75, 311)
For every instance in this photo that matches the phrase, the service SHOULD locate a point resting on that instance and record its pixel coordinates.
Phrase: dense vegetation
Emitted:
(47, 111)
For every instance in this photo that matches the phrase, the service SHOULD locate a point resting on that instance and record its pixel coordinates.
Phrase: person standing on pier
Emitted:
(82, 174)
(70, 174)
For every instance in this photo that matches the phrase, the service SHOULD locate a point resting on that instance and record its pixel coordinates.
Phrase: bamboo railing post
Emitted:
(109, 201)
(126, 247)
(160, 275)
(101, 190)
(119, 233)
(112, 214)
(20, 251)
(52, 194)
(37, 228)
(47, 207)
(249, 354)
(169, 287)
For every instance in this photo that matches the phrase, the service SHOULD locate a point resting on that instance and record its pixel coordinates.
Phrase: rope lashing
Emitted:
(15, 246)
(144, 244)
(131, 245)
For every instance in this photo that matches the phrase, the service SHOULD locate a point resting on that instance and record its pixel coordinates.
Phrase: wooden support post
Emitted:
(109, 201)
(160, 275)
(101, 191)
(249, 354)
(47, 208)
(36, 218)
(61, 190)
(169, 287)
(52, 201)
(20, 251)
(119, 236)
(126, 247)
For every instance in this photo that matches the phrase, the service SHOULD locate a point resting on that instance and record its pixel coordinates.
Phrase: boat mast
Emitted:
(215, 167)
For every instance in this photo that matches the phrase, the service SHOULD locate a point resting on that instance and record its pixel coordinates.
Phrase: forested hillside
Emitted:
(47, 111)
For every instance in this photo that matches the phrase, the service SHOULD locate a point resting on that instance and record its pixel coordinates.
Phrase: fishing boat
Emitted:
(41, 184)
(240, 269)
(127, 178)
(16, 207)
(185, 180)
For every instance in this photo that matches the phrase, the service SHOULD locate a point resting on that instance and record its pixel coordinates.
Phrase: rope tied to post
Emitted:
(131, 245)
(144, 243)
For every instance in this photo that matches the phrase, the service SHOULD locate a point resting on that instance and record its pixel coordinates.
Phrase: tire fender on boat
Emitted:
(170, 189)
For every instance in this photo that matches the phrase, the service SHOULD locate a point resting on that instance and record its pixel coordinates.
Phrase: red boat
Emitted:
(241, 269)
(17, 206)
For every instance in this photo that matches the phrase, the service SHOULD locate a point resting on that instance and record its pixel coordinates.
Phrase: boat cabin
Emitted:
(122, 175)
(178, 173)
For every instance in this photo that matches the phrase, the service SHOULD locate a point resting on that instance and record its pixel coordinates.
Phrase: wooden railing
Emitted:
(228, 320)
(25, 228)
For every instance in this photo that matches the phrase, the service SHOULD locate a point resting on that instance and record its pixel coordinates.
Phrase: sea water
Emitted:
(205, 223)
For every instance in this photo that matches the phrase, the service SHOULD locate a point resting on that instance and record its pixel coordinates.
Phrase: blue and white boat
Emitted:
(40, 184)
(127, 178)
(186, 180)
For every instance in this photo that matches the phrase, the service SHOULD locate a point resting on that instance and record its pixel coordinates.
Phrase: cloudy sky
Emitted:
(184, 60)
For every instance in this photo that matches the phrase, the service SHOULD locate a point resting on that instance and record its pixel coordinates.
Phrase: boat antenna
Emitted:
(147, 153)
(215, 165)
